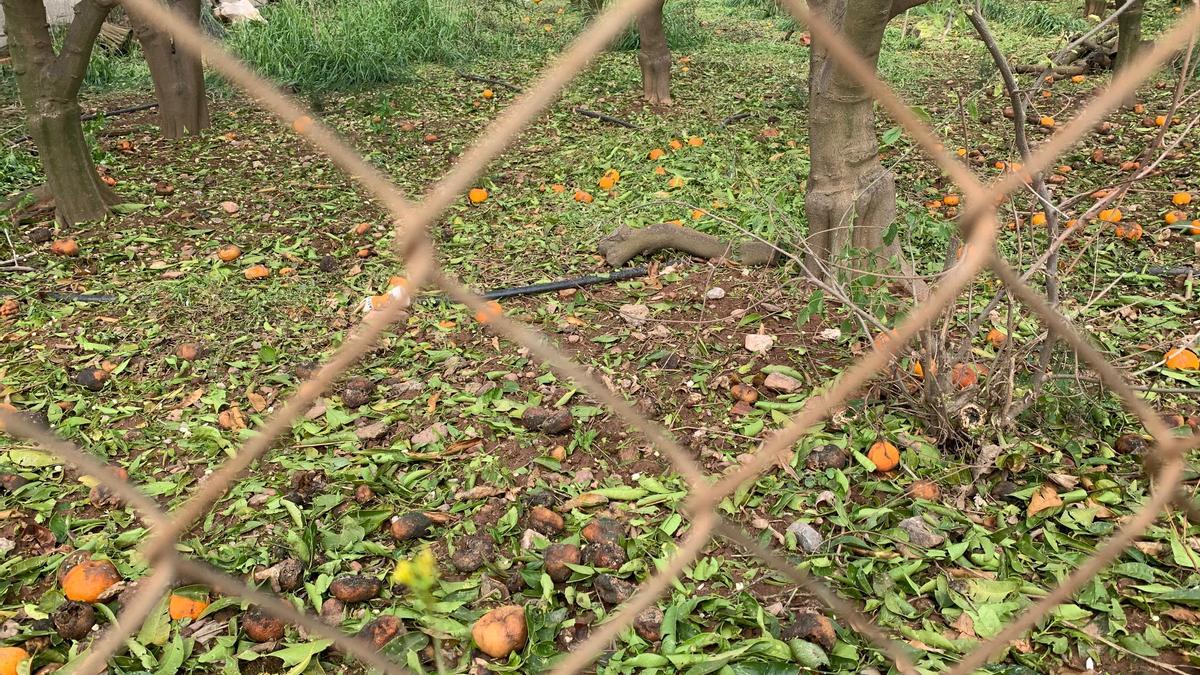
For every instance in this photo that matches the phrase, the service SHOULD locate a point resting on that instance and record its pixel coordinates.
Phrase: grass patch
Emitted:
(350, 45)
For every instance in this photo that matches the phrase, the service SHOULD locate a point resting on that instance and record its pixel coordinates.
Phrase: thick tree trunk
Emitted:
(49, 90)
(851, 198)
(654, 56)
(1129, 39)
(178, 75)
(1095, 8)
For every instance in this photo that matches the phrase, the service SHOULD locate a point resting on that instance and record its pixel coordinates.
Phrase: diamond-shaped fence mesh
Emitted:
(413, 218)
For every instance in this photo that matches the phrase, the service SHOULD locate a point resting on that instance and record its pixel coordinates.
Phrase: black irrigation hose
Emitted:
(107, 113)
(577, 282)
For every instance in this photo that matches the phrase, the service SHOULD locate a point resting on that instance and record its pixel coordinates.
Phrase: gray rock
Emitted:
(781, 383)
(429, 435)
(758, 343)
(371, 431)
(634, 315)
(807, 536)
(920, 534)
(715, 293)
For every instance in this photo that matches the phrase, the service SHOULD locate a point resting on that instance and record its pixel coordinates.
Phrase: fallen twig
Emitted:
(734, 118)
(605, 118)
(489, 80)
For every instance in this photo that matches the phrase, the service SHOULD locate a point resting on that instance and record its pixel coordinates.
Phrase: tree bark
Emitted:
(1095, 8)
(851, 198)
(1129, 40)
(178, 75)
(49, 90)
(654, 56)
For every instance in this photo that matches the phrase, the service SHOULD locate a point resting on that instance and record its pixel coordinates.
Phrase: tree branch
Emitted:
(901, 6)
(72, 61)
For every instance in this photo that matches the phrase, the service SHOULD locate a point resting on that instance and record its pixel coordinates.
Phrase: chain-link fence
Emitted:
(413, 218)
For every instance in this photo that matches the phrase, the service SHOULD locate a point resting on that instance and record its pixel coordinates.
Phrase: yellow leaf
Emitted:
(1045, 498)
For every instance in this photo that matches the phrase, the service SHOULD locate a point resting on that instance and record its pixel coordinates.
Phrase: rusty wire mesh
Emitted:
(413, 218)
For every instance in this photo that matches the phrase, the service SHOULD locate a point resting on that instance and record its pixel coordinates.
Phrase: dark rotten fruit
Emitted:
(411, 525)
(355, 588)
(262, 627)
(557, 557)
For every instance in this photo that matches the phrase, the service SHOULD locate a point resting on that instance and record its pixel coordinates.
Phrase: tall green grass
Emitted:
(350, 44)
(680, 23)
(1037, 17)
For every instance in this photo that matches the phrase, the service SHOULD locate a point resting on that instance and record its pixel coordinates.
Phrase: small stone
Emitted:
(919, 533)
(613, 591)
(40, 235)
(328, 264)
(358, 392)
(429, 435)
(634, 315)
(807, 536)
(758, 343)
(371, 431)
(782, 383)
(230, 207)
(648, 624)
(529, 538)
(715, 293)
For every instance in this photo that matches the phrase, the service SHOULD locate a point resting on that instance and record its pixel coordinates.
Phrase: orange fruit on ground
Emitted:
(1182, 358)
(1078, 79)
(583, 196)
(558, 188)
(919, 370)
(660, 171)
(884, 455)
(88, 580)
(606, 182)
(1173, 217)
(1046, 121)
(951, 200)
(1065, 168)
(257, 272)
(996, 337)
(11, 658)
(675, 144)
(1160, 120)
(1139, 109)
(925, 489)
(65, 247)
(182, 607)
(697, 214)
(1000, 165)
(229, 253)
(656, 153)
(489, 313)
(302, 124)
(1130, 231)
(1038, 219)
(675, 182)
(1111, 215)
(477, 195)
(1195, 228)
(362, 228)
(1072, 223)
(487, 93)
(287, 271)
(964, 375)
(695, 141)
(1181, 198)
(961, 152)
(431, 138)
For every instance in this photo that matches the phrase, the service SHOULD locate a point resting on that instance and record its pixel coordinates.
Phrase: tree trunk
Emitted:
(1129, 39)
(851, 198)
(654, 56)
(1095, 8)
(49, 90)
(178, 75)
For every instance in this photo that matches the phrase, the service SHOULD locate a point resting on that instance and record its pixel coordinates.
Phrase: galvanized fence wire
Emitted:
(412, 219)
